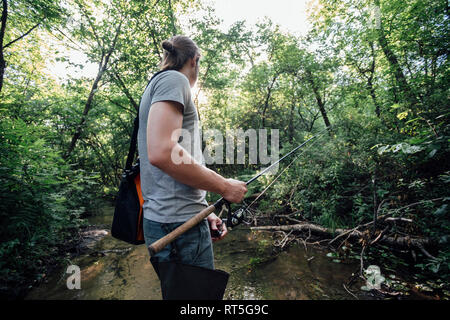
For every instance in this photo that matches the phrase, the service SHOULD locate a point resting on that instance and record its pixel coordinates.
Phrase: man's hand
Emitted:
(215, 224)
(235, 190)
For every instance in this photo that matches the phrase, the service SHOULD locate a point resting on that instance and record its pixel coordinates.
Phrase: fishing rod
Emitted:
(233, 218)
(284, 157)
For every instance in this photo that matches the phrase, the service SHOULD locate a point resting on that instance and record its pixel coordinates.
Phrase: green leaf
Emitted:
(435, 267)
(432, 153)
(383, 149)
(402, 115)
(441, 211)
(408, 149)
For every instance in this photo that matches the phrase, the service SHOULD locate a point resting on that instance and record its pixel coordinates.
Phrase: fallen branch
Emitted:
(392, 219)
(426, 253)
(350, 292)
(350, 231)
(402, 241)
(382, 233)
(285, 240)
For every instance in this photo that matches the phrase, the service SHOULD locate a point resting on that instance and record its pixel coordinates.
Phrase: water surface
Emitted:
(113, 269)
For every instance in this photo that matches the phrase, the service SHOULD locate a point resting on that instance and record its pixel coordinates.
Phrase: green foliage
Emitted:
(41, 205)
(379, 78)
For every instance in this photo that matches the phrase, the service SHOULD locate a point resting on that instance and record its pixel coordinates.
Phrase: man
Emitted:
(173, 181)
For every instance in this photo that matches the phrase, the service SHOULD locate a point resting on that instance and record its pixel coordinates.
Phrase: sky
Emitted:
(289, 14)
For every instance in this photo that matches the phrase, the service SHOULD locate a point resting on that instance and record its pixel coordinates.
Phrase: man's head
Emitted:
(181, 54)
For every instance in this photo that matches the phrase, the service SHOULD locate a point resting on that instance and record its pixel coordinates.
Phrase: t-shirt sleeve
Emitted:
(172, 87)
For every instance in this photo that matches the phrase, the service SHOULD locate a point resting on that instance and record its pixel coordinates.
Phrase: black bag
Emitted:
(128, 213)
(185, 282)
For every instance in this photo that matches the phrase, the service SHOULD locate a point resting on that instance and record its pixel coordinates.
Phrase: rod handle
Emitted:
(159, 244)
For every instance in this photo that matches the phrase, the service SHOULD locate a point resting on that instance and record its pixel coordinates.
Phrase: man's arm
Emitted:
(164, 119)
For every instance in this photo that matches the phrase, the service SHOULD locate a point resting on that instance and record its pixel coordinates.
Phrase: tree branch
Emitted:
(22, 36)
(125, 90)
(86, 14)
(400, 241)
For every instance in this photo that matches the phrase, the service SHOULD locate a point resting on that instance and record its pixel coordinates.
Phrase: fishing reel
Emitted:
(233, 219)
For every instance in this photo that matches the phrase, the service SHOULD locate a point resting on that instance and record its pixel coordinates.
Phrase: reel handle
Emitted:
(218, 233)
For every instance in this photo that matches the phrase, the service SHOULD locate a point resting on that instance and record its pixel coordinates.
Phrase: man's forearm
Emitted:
(188, 171)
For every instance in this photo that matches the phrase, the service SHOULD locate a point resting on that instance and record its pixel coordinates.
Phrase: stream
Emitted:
(113, 269)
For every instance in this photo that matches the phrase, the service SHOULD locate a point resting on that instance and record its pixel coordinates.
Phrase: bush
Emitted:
(42, 199)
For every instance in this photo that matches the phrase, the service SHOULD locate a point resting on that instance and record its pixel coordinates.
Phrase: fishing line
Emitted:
(284, 170)
(285, 156)
(235, 218)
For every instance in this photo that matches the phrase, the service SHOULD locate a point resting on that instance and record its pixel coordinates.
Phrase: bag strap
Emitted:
(133, 142)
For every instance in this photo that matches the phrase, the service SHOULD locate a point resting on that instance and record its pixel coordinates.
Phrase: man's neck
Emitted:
(187, 71)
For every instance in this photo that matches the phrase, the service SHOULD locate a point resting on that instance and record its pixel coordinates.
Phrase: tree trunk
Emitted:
(102, 68)
(374, 97)
(266, 102)
(395, 66)
(87, 107)
(320, 101)
(172, 20)
(3, 47)
(369, 82)
(126, 91)
(291, 123)
(4, 18)
(398, 73)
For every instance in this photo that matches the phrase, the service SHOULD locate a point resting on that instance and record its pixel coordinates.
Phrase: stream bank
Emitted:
(114, 270)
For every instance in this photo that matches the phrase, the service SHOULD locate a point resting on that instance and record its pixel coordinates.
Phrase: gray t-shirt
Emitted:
(165, 199)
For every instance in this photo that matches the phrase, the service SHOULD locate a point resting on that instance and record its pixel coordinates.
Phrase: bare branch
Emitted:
(22, 36)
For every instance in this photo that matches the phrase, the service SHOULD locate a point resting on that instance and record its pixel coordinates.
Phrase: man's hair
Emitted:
(177, 51)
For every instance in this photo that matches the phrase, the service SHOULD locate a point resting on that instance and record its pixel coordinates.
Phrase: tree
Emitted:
(25, 16)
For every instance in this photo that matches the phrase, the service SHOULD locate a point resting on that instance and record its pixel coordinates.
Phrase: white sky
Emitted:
(289, 14)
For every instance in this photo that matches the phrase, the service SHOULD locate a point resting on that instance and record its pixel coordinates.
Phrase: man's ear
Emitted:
(193, 62)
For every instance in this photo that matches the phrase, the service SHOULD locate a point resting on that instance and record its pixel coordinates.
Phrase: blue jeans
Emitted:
(194, 247)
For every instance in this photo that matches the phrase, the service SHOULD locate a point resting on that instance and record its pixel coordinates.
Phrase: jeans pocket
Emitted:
(154, 231)
(205, 255)
(188, 245)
